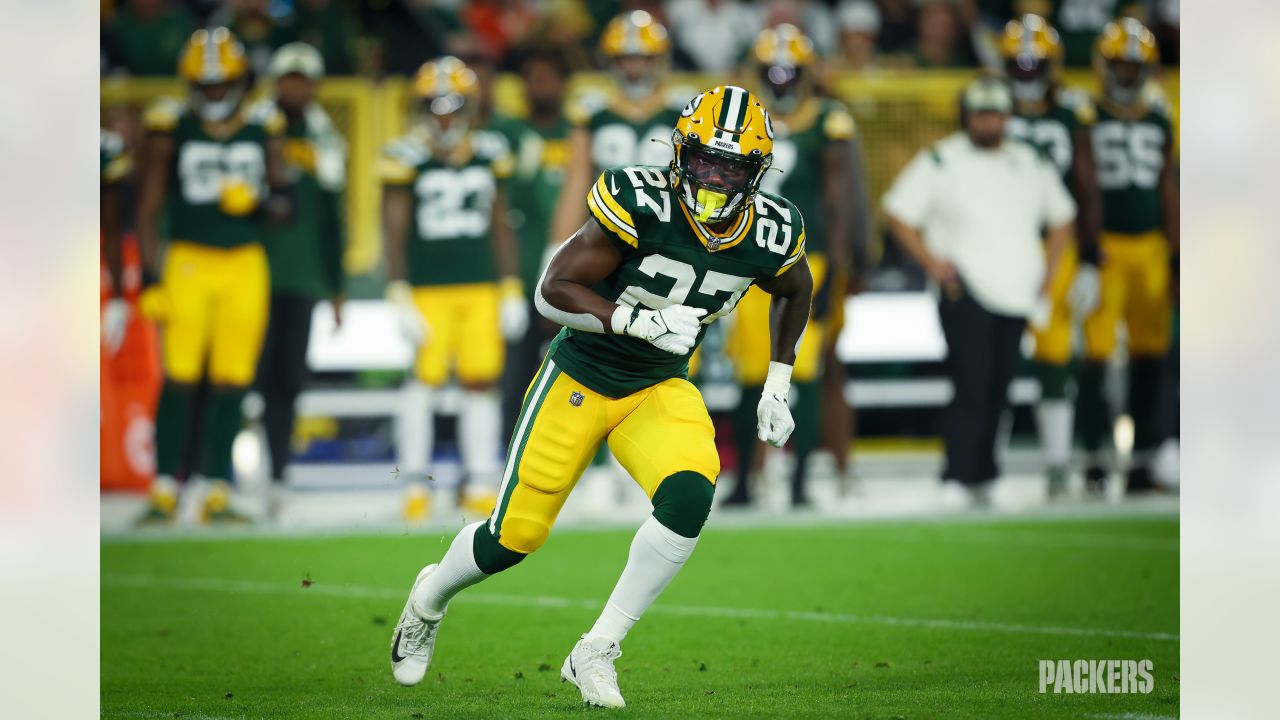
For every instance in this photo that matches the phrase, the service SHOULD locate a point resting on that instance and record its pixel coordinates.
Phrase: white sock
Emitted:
(457, 572)
(479, 438)
(1054, 420)
(415, 432)
(657, 554)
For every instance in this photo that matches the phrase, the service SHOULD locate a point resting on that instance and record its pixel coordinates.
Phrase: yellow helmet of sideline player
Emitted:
(784, 60)
(214, 63)
(445, 92)
(1126, 51)
(1032, 54)
(637, 49)
(723, 147)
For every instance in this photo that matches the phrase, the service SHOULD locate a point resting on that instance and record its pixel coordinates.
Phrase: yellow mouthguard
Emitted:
(710, 202)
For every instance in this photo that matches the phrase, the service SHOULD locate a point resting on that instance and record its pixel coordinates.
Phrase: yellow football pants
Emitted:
(1135, 288)
(463, 334)
(216, 306)
(654, 433)
(1053, 343)
(749, 343)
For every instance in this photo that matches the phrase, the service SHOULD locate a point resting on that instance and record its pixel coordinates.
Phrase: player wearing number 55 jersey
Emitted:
(452, 265)
(1133, 141)
(219, 171)
(666, 251)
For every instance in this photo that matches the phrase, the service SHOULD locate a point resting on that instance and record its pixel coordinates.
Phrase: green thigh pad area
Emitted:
(877, 620)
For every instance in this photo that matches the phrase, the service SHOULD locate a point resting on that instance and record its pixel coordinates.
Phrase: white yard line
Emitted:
(357, 591)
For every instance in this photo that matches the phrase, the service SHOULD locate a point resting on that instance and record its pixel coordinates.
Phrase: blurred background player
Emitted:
(114, 165)
(634, 127)
(220, 171)
(539, 149)
(306, 253)
(453, 276)
(1133, 142)
(816, 165)
(1057, 122)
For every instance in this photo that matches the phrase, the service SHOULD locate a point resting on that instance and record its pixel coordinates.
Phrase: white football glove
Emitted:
(673, 329)
(412, 325)
(1041, 313)
(115, 321)
(513, 310)
(1085, 292)
(773, 415)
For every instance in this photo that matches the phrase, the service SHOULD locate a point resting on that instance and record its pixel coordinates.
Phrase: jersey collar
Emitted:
(715, 242)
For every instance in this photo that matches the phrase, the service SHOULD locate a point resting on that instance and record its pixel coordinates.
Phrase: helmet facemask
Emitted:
(638, 85)
(784, 86)
(446, 119)
(716, 185)
(224, 107)
(1125, 80)
(1029, 78)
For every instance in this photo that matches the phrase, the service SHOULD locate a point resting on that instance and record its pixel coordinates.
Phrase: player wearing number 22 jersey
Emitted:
(666, 251)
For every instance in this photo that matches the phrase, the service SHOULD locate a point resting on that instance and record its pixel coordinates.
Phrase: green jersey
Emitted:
(623, 135)
(670, 258)
(114, 163)
(1130, 153)
(206, 167)
(1052, 132)
(451, 242)
(540, 154)
(796, 173)
(306, 252)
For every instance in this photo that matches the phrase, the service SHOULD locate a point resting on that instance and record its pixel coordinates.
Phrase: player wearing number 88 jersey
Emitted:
(1133, 142)
(666, 251)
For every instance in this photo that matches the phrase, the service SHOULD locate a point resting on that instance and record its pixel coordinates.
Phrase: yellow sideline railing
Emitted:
(897, 112)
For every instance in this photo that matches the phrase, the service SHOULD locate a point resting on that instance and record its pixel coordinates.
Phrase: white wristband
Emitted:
(778, 381)
(621, 318)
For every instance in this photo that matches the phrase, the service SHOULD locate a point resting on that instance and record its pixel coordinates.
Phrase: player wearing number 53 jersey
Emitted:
(666, 251)
(1133, 141)
(451, 259)
(218, 169)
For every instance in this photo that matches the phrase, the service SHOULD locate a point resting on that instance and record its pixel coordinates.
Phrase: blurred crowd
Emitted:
(381, 37)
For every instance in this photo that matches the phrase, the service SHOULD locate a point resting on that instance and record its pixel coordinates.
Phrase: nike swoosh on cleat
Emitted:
(395, 646)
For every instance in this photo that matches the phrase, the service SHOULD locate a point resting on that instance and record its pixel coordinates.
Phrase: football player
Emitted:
(452, 272)
(1133, 141)
(815, 164)
(220, 171)
(666, 251)
(1057, 121)
(115, 164)
(635, 127)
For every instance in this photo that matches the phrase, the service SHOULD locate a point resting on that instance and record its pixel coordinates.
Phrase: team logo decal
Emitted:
(692, 107)
(576, 398)
(768, 123)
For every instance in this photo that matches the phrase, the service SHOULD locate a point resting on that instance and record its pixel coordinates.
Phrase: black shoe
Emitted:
(1095, 480)
(1139, 481)
(1057, 477)
(737, 498)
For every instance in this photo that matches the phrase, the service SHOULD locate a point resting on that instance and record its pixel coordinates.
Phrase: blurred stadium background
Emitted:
(880, 59)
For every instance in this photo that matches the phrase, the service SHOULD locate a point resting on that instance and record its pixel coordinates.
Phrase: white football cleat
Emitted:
(414, 639)
(590, 668)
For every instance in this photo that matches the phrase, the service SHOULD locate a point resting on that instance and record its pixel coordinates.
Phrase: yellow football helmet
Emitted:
(723, 147)
(1032, 53)
(1127, 53)
(214, 62)
(445, 91)
(637, 48)
(784, 58)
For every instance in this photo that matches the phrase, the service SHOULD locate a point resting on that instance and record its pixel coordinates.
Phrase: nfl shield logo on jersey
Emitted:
(576, 398)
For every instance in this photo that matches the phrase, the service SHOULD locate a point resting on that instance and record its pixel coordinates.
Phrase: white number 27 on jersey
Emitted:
(684, 275)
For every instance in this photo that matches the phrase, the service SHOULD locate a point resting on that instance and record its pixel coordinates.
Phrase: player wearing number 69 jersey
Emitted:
(666, 251)
(452, 266)
(1133, 143)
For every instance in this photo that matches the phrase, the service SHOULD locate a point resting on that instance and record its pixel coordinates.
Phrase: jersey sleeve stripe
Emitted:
(612, 203)
(601, 200)
(608, 222)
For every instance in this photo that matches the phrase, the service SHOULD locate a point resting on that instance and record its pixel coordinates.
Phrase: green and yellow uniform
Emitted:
(215, 278)
(114, 163)
(1129, 148)
(626, 134)
(594, 387)
(449, 256)
(1052, 132)
(797, 173)
(306, 254)
(540, 155)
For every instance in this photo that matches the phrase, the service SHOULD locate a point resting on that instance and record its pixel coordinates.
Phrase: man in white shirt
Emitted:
(973, 210)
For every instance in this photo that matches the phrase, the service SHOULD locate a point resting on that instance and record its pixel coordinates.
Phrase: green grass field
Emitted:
(875, 620)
